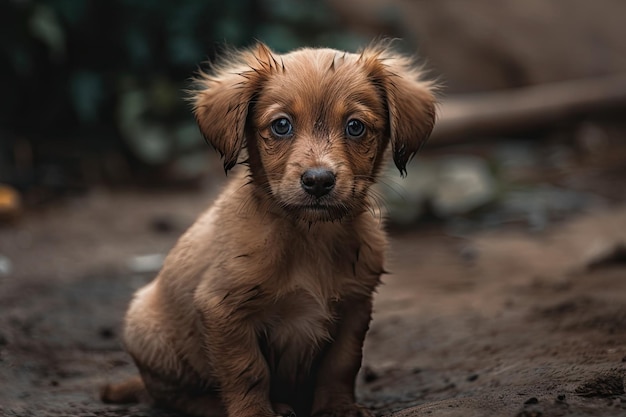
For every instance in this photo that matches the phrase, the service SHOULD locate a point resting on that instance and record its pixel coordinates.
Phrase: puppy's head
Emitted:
(316, 123)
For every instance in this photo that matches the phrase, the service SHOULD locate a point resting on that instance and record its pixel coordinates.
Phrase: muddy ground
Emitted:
(501, 322)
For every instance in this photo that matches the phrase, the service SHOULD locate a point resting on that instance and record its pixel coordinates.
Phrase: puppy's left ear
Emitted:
(411, 102)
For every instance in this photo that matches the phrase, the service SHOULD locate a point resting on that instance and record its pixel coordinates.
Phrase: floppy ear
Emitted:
(222, 101)
(410, 101)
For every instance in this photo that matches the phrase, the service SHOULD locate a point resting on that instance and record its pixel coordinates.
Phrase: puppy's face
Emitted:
(316, 123)
(319, 129)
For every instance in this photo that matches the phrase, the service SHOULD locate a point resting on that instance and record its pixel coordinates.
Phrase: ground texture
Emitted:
(506, 322)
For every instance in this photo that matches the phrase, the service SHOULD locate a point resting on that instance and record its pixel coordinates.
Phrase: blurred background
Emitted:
(93, 91)
(508, 244)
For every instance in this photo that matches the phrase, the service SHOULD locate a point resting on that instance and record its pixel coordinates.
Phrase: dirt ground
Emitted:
(502, 322)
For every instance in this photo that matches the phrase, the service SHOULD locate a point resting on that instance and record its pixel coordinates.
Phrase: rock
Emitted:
(143, 264)
(406, 199)
(6, 266)
(163, 224)
(106, 332)
(369, 375)
(464, 185)
(449, 186)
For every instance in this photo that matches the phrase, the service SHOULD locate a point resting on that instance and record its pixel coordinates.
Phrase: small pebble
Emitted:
(146, 263)
(106, 333)
(162, 224)
(369, 375)
(6, 266)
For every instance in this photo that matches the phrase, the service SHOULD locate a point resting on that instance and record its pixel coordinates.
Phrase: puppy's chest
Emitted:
(296, 327)
(297, 315)
(331, 271)
(303, 318)
(317, 278)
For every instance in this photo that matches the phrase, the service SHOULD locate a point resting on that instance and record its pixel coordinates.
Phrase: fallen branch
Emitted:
(502, 112)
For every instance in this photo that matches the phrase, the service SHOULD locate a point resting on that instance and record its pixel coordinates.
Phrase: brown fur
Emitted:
(262, 306)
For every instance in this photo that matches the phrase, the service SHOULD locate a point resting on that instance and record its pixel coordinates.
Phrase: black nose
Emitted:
(317, 181)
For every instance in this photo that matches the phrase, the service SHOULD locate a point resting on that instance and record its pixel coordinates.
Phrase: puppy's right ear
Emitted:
(222, 101)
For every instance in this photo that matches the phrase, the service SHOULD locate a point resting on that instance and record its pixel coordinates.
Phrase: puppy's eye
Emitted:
(355, 129)
(282, 127)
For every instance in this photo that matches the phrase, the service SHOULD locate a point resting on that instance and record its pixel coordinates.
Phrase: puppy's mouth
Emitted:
(317, 212)
(316, 207)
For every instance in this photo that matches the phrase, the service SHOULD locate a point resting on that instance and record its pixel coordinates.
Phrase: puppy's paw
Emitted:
(353, 410)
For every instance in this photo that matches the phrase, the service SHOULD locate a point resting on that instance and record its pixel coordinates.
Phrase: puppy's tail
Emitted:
(130, 391)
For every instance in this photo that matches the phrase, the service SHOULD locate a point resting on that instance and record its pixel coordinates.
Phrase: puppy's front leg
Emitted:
(241, 369)
(334, 392)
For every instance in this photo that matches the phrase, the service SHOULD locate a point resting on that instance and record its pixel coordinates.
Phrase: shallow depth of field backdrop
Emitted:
(508, 257)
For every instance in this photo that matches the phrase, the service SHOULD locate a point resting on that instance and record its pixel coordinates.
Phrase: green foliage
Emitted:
(118, 68)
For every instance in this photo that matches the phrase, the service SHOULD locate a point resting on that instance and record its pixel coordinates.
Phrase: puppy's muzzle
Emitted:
(317, 181)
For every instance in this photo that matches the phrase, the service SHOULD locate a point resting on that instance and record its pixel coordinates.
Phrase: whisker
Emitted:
(396, 188)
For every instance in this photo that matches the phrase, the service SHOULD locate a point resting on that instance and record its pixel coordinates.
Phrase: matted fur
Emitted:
(262, 306)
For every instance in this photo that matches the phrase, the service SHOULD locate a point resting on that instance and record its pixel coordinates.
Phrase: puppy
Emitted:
(262, 306)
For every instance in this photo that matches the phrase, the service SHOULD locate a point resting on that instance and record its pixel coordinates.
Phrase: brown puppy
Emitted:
(262, 307)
